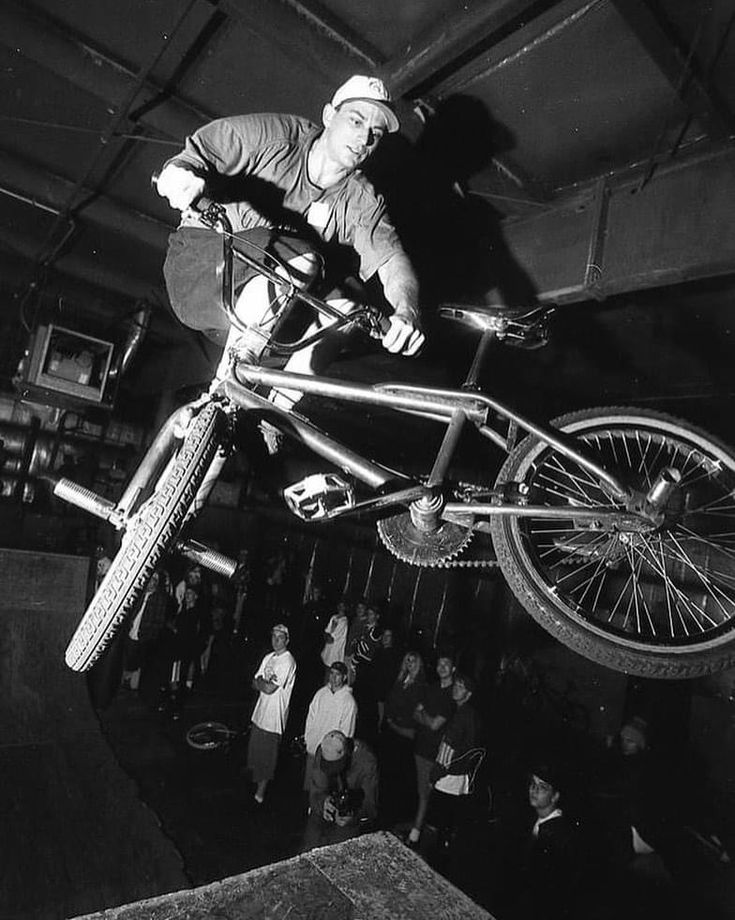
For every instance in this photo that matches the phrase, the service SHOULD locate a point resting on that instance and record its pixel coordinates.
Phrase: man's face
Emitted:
(190, 598)
(631, 742)
(278, 640)
(444, 668)
(541, 795)
(353, 131)
(460, 693)
(336, 680)
(360, 611)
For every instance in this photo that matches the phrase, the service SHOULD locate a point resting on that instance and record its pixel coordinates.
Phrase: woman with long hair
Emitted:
(398, 775)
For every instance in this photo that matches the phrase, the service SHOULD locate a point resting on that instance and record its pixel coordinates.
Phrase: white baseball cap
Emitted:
(368, 89)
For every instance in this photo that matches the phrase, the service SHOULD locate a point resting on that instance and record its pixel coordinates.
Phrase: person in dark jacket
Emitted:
(343, 791)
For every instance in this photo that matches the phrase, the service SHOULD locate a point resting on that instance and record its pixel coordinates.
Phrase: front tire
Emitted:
(655, 604)
(151, 534)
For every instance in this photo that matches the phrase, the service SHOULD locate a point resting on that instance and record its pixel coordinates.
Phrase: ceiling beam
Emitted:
(677, 66)
(281, 24)
(81, 267)
(450, 43)
(327, 23)
(48, 44)
(52, 193)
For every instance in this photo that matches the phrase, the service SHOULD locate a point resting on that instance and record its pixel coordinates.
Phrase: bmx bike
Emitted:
(614, 527)
(213, 736)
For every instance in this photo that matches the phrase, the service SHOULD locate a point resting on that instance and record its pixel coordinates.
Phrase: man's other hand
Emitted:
(181, 187)
(404, 336)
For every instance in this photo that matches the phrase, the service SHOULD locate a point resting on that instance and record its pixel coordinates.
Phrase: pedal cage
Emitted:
(319, 497)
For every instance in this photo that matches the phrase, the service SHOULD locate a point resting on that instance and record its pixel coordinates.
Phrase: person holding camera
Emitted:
(343, 791)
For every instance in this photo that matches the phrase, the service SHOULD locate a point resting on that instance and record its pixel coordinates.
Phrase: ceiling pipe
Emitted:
(137, 326)
(55, 190)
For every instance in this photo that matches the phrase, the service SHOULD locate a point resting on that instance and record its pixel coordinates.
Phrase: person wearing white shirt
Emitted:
(332, 708)
(335, 636)
(274, 682)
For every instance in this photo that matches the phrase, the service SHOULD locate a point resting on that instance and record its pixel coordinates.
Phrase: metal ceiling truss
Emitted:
(678, 65)
(332, 27)
(453, 43)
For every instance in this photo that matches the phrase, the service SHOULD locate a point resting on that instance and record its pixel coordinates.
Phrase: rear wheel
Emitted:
(152, 532)
(657, 603)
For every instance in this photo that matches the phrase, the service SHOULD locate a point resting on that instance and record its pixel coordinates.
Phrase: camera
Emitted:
(347, 801)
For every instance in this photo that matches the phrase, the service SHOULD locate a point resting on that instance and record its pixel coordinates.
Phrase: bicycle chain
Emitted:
(467, 564)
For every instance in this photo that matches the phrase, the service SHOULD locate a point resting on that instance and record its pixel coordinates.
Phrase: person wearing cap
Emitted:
(274, 682)
(295, 188)
(332, 708)
(343, 791)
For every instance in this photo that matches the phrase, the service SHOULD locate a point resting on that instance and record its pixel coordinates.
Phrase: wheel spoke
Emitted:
(675, 584)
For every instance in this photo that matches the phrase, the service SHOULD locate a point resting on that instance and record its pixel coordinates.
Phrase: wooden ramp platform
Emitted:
(374, 877)
(74, 835)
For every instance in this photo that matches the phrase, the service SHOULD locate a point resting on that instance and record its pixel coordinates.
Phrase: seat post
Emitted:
(473, 375)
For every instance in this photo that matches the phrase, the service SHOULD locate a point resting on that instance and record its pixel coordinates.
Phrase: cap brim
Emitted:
(390, 115)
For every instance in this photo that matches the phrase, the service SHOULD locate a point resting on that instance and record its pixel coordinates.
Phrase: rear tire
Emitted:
(152, 532)
(655, 604)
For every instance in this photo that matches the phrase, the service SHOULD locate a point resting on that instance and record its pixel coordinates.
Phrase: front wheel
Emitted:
(657, 603)
(152, 532)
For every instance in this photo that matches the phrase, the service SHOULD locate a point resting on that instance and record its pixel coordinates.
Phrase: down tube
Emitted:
(372, 474)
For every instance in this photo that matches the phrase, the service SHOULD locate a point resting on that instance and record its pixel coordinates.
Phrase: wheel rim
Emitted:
(669, 589)
(208, 736)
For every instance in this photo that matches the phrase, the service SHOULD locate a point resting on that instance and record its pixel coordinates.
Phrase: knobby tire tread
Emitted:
(153, 533)
(642, 662)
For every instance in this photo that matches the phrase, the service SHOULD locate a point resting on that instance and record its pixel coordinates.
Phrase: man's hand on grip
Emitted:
(180, 186)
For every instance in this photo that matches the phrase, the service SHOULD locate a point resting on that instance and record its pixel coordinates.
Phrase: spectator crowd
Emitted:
(405, 738)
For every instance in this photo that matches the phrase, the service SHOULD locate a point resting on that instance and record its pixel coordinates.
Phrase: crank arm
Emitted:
(402, 497)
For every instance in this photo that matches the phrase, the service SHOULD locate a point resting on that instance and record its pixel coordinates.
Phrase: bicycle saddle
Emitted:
(525, 327)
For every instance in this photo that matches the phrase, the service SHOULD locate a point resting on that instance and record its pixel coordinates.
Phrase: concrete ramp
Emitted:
(75, 836)
(374, 877)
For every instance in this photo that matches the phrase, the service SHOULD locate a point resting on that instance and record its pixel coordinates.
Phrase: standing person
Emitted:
(335, 636)
(144, 631)
(551, 870)
(396, 750)
(274, 681)
(332, 708)
(431, 716)
(384, 669)
(457, 760)
(295, 188)
(362, 661)
(242, 583)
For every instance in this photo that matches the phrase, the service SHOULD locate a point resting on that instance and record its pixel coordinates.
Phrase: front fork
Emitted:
(159, 456)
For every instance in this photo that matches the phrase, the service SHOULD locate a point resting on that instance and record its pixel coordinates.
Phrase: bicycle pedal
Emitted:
(319, 496)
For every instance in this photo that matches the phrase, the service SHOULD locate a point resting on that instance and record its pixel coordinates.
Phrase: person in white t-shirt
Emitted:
(274, 682)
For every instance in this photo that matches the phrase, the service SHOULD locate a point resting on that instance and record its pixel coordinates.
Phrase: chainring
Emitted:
(418, 547)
